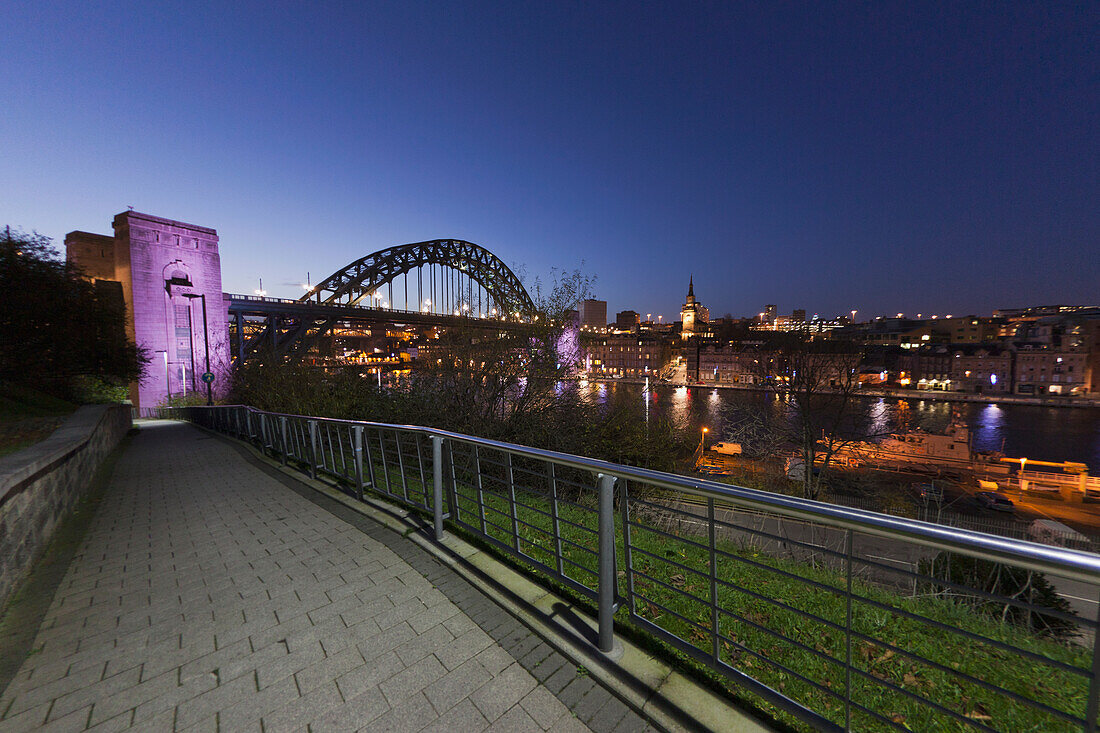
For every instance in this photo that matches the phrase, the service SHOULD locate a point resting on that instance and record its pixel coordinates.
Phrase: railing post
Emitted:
(282, 446)
(437, 485)
(312, 425)
(849, 542)
(357, 436)
(1092, 712)
(606, 559)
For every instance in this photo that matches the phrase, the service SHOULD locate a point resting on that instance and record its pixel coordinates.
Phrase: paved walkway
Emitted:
(210, 595)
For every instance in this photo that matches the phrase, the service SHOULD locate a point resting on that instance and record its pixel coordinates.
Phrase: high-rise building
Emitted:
(594, 313)
(798, 315)
(627, 319)
(770, 312)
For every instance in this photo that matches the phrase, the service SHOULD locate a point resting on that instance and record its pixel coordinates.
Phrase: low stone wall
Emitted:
(41, 483)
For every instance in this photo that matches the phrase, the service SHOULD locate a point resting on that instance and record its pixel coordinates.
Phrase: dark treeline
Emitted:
(60, 332)
(514, 387)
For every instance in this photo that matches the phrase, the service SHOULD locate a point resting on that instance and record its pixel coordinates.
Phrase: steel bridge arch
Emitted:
(351, 284)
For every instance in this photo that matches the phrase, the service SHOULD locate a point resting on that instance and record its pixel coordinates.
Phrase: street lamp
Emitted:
(206, 343)
(167, 374)
(703, 437)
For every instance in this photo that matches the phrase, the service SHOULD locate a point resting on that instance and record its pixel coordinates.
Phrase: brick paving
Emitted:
(213, 593)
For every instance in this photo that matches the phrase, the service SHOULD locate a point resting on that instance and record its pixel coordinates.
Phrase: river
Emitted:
(1030, 431)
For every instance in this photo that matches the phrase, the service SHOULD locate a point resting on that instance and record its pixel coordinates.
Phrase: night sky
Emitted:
(881, 157)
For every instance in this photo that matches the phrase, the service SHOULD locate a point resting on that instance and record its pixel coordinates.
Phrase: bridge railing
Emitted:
(840, 618)
(463, 316)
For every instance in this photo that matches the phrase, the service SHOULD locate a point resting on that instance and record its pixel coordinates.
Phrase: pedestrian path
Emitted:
(209, 595)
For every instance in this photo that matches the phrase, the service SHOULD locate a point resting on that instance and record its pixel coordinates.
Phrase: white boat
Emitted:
(948, 450)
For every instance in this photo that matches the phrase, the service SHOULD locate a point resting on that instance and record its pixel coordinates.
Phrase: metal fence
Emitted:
(1005, 526)
(837, 617)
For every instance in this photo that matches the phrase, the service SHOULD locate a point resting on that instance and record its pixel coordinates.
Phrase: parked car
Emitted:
(993, 500)
(729, 449)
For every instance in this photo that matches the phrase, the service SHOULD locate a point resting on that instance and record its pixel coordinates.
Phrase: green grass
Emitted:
(759, 593)
(19, 402)
(28, 416)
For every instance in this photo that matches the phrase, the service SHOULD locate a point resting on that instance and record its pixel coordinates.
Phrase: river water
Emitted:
(1029, 431)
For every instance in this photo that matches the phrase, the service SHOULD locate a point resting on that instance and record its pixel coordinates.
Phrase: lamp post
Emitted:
(703, 437)
(167, 374)
(206, 344)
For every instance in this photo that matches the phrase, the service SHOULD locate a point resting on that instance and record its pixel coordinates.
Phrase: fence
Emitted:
(999, 525)
(793, 600)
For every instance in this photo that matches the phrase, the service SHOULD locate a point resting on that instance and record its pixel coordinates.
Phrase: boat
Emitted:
(916, 448)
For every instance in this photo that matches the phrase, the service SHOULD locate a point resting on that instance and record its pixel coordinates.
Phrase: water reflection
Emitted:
(1049, 433)
(987, 432)
(879, 415)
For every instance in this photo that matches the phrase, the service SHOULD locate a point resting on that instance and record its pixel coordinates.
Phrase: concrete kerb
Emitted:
(650, 686)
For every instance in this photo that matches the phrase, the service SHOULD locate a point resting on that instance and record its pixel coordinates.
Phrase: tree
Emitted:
(56, 326)
(514, 385)
(816, 415)
(995, 586)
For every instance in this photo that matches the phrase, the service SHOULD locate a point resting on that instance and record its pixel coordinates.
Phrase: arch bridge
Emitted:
(442, 282)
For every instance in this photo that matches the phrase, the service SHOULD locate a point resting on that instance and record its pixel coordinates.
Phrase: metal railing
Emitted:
(841, 618)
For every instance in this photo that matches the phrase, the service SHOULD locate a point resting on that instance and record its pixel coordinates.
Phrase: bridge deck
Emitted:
(209, 594)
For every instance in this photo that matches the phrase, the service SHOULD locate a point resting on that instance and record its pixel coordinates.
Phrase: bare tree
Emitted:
(817, 413)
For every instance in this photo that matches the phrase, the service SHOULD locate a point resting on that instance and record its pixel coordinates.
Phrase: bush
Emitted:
(60, 331)
(1007, 582)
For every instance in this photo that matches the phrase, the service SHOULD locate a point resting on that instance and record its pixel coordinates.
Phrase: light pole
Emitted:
(703, 437)
(206, 343)
(167, 374)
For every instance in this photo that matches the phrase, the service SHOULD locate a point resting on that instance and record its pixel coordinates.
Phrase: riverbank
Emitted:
(906, 394)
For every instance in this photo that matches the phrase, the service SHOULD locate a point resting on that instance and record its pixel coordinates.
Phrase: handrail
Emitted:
(1068, 563)
(519, 500)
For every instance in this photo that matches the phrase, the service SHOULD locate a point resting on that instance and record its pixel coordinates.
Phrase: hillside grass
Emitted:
(28, 416)
(779, 618)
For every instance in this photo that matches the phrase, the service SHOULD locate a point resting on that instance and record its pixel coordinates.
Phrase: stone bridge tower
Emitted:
(165, 268)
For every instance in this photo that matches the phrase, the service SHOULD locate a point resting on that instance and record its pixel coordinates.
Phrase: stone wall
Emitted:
(40, 484)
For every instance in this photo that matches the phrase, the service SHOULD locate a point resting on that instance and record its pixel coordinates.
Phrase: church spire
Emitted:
(691, 286)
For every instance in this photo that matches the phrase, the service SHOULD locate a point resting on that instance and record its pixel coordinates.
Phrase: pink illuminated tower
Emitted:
(165, 268)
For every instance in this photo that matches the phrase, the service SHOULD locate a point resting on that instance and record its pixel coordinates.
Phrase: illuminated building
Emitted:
(693, 316)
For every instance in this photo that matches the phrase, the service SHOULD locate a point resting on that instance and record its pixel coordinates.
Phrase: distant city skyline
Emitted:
(885, 159)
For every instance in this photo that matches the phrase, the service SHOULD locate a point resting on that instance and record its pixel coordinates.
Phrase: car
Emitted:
(994, 501)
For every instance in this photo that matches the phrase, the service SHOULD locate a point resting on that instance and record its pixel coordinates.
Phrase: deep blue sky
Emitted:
(883, 157)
